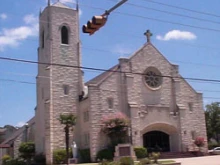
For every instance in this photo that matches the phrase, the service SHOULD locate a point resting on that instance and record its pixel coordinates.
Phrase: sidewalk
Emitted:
(205, 160)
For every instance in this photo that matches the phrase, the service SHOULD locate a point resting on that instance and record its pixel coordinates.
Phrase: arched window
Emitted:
(64, 35)
(42, 40)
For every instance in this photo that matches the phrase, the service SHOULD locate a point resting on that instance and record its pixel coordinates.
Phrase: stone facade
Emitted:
(165, 103)
(174, 108)
(58, 87)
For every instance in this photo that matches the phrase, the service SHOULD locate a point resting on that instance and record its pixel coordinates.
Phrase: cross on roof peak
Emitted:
(148, 34)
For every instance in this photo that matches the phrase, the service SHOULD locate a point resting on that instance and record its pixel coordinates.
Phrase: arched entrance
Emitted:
(156, 141)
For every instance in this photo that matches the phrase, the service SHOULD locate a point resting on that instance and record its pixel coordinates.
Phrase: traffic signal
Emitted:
(95, 24)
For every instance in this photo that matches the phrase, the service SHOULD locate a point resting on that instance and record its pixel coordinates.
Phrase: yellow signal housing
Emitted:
(95, 24)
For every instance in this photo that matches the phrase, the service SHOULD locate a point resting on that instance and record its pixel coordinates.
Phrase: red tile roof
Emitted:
(4, 146)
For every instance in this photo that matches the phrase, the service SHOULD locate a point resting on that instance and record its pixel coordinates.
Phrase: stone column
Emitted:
(135, 132)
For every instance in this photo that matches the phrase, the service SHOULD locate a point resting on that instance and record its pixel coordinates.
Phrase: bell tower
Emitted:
(58, 86)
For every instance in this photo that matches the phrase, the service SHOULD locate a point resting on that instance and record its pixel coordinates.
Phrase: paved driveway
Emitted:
(206, 160)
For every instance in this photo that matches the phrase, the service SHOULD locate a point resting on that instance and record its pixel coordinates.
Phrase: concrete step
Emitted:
(168, 155)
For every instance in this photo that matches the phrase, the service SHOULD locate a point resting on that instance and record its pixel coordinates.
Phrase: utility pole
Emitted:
(99, 21)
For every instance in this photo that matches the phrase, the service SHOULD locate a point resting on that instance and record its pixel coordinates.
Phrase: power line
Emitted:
(154, 19)
(129, 54)
(105, 70)
(32, 83)
(17, 81)
(48, 77)
(168, 12)
(177, 7)
(170, 22)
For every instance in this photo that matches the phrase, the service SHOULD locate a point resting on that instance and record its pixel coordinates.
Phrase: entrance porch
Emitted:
(161, 137)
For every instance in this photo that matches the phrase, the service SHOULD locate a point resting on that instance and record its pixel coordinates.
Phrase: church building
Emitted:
(164, 110)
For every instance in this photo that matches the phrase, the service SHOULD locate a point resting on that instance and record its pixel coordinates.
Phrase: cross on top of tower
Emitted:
(148, 34)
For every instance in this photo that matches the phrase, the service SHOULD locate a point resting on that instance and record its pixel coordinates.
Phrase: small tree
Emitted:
(69, 120)
(27, 151)
(115, 126)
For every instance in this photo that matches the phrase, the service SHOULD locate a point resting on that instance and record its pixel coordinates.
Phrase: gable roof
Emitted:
(18, 132)
(97, 80)
(146, 45)
(102, 76)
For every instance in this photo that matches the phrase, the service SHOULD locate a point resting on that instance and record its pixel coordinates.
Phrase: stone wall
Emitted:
(164, 109)
(55, 102)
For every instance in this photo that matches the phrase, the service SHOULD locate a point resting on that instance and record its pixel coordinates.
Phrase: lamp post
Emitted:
(26, 131)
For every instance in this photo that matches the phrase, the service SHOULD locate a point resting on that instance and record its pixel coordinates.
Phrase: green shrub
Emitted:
(140, 152)
(59, 156)
(27, 147)
(126, 161)
(40, 158)
(27, 150)
(85, 155)
(145, 161)
(106, 154)
(6, 158)
(15, 162)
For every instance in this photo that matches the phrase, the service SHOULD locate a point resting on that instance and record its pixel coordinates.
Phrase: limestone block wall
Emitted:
(162, 101)
(149, 106)
(146, 57)
(55, 102)
(99, 107)
(19, 139)
(192, 118)
(84, 126)
(43, 81)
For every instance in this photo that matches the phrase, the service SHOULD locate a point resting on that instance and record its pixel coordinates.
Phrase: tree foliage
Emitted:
(212, 115)
(68, 120)
(199, 141)
(115, 126)
(27, 150)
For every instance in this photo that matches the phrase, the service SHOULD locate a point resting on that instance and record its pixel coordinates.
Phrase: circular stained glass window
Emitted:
(153, 77)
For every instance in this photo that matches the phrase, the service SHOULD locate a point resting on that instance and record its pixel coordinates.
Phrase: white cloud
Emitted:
(30, 19)
(12, 37)
(3, 16)
(177, 35)
(20, 124)
(122, 50)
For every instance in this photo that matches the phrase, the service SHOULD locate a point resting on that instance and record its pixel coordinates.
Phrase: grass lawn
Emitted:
(166, 161)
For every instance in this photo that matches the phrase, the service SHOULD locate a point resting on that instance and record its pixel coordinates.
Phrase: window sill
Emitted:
(66, 45)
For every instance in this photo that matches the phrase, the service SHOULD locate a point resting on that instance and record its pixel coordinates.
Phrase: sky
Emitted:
(188, 39)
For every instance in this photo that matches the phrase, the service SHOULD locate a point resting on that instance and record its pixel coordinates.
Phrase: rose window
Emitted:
(153, 77)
